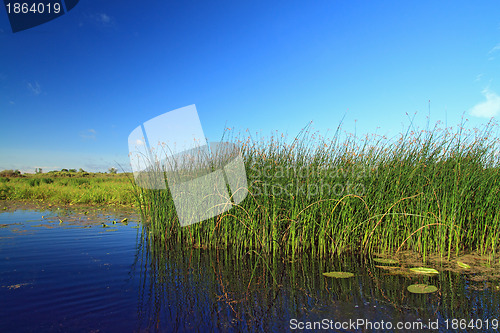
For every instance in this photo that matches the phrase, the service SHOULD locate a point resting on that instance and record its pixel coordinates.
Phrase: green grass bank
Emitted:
(68, 188)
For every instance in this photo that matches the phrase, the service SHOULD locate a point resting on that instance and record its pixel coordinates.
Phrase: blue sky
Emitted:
(73, 89)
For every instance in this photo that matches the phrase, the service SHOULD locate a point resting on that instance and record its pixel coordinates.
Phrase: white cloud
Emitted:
(492, 51)
(89, 134)
(496, 48)
(103, 18)
(35, 88)
(97, 20)
(478, 77)
(489, 108)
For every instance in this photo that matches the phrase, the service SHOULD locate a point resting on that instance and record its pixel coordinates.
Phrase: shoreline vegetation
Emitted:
(68, 188)
(433, 191)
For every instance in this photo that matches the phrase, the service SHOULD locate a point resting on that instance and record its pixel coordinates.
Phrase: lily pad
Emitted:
(421, 288)
(339, 275)
(385, 260)
(424, 270)
(463, 265)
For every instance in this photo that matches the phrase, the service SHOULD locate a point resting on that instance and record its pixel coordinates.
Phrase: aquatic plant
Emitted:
(339, 275)
(429, 191)
(424, 270)
(422, 288)
(463, 265)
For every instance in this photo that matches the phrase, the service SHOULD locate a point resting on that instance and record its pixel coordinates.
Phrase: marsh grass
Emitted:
(429, 191)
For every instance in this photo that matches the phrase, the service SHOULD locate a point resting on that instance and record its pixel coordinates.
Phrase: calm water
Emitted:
(78, 276)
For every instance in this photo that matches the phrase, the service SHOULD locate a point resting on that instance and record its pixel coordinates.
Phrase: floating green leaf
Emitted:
(385, 260)
(463, 265)
(422, 288)
(424, 270)
(339, 275)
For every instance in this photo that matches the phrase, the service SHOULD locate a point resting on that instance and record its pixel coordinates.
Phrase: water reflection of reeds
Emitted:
(217, 290)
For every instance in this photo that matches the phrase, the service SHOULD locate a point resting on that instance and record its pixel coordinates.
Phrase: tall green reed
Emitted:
(429, 191)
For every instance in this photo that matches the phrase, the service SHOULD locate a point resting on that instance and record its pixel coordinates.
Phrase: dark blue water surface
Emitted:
(78, 276)
(66, 277)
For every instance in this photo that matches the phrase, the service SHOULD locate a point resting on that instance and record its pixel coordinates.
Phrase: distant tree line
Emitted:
(17, 173)
(10, 173)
